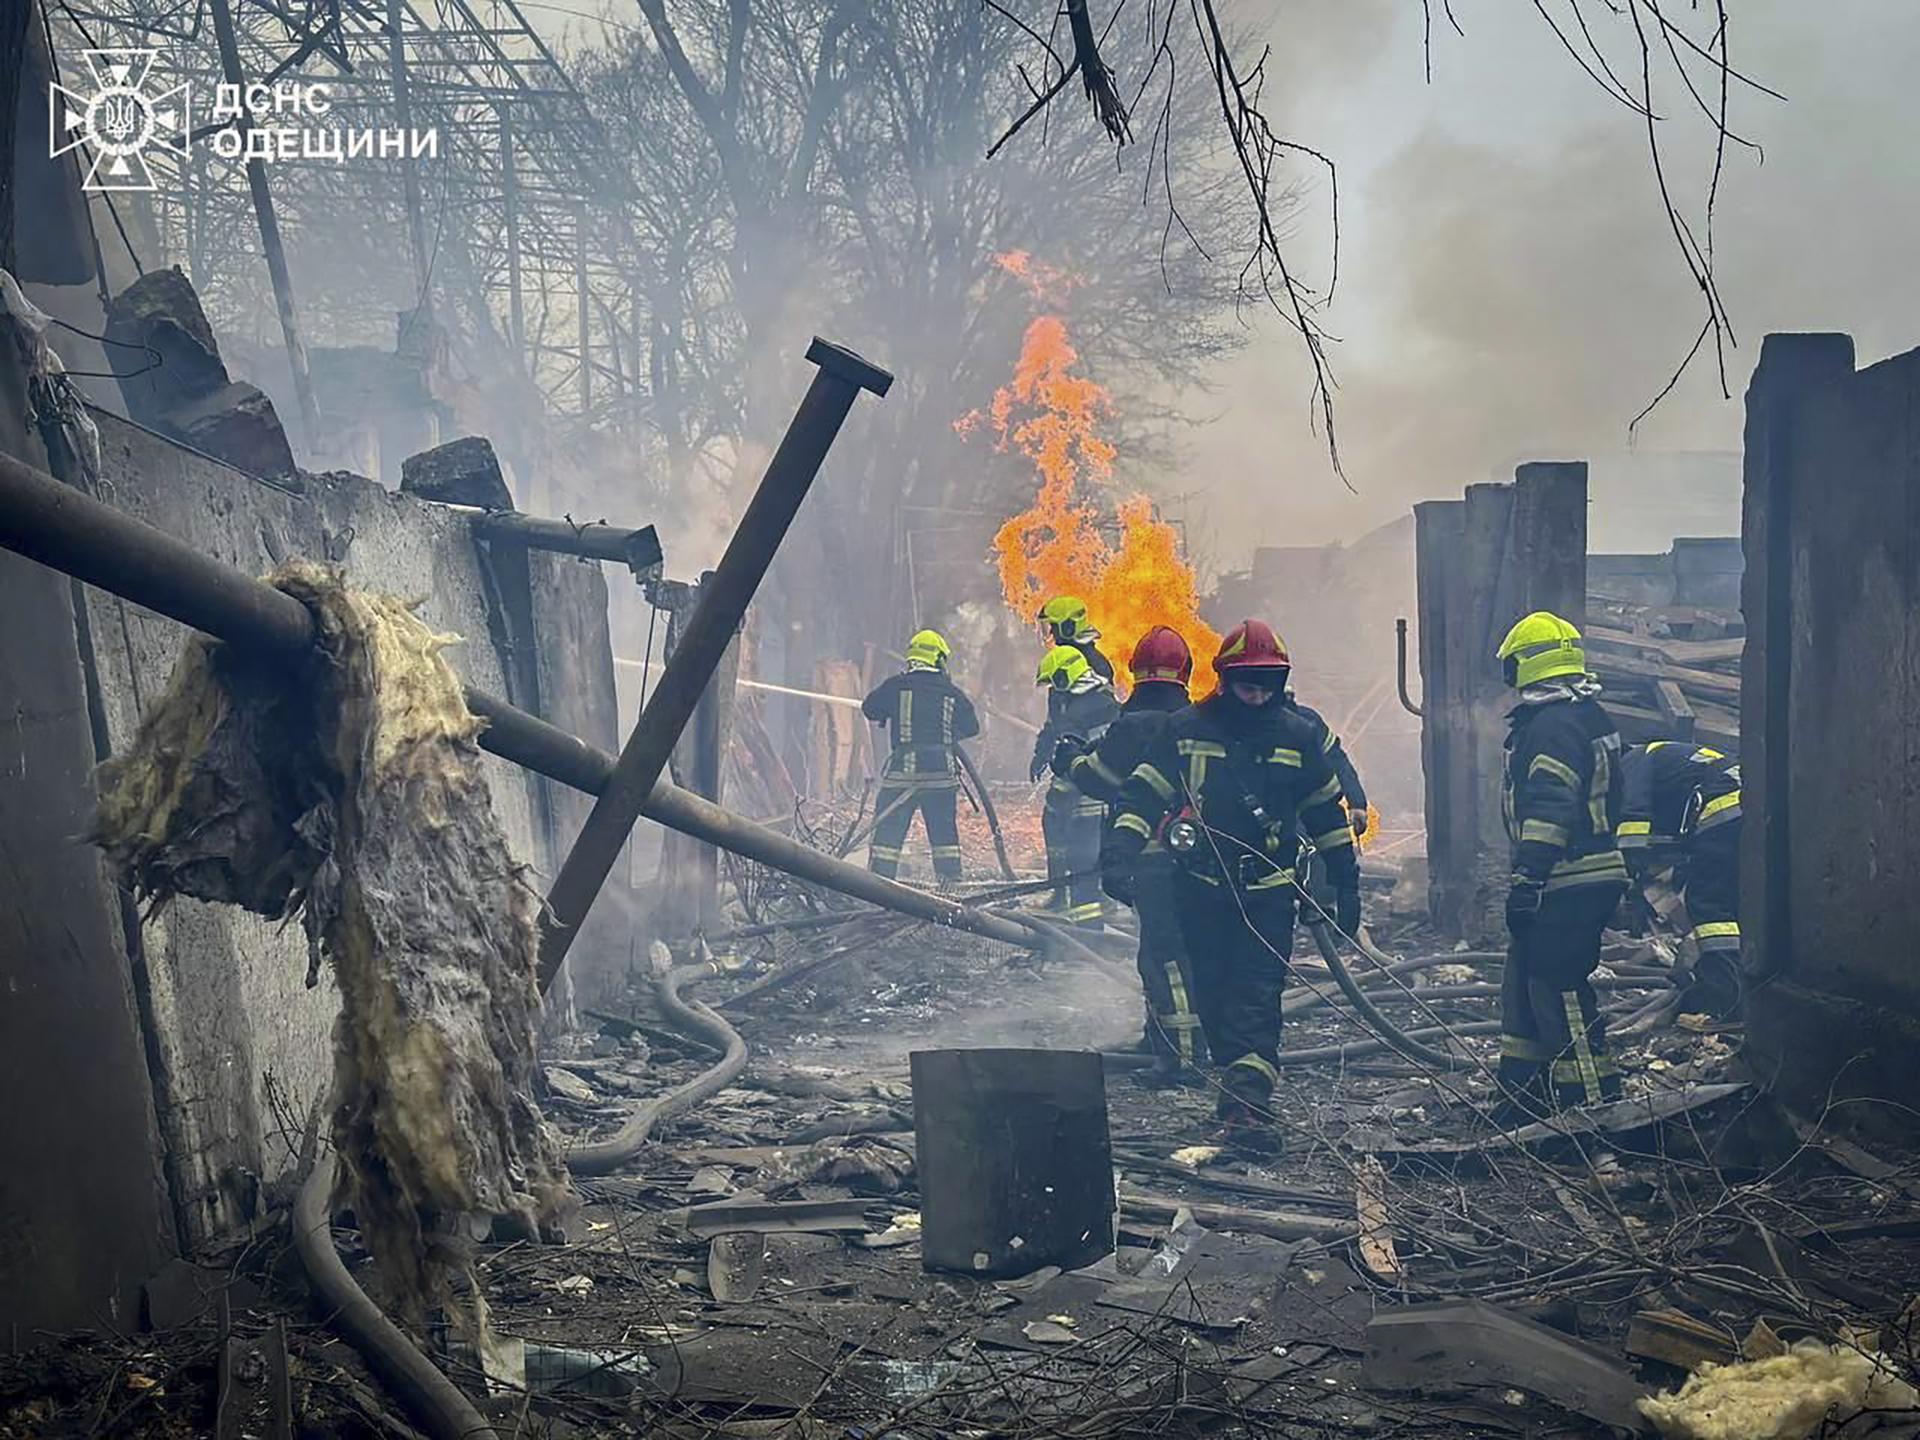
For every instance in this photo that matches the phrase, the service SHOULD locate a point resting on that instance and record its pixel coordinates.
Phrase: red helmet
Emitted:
(1161, 655)
(1252, 645)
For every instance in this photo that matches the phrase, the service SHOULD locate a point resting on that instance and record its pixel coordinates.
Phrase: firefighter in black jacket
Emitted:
(1351, 790)
(1230, 785)
(1686, 798)
(928, 716)
(1161, 667)
(1562, 798)
(1080, 707)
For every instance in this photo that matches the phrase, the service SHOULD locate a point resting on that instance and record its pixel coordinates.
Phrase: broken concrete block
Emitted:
(235, 423)
(1467, 1344)
(173, 380)
(569, 1086)
(460, 472)
(160, 312)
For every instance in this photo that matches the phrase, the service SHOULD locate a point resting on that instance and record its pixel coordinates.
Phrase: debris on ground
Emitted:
(1788, 1397)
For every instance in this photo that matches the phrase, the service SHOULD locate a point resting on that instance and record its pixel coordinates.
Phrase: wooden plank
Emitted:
(1680, 652)
(1673, 705)
(1377, 1250)
(1706, 682)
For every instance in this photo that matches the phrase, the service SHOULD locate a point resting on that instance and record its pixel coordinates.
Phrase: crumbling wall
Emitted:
(242, 1049)
(1483, 562)
(1830, 724)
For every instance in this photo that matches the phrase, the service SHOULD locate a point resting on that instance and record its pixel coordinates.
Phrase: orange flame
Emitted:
(1054, 547)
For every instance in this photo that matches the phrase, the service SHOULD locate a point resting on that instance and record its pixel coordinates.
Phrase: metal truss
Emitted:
(515, 230)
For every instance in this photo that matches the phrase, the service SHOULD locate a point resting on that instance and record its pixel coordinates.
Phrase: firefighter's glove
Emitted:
(1523, 906)
(1066, 750)
(1358, 820)
(1117, 882)
(1346, 911)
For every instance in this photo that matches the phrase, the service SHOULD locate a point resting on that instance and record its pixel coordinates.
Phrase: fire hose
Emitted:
(434, 1401)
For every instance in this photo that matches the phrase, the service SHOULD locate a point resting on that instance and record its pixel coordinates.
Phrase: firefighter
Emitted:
(928, 715)
(1562, 797)
(1683, 800)
(1352, 792)
(1161, 667)
(1065, 617)
(1080, 706)
(1229, 786)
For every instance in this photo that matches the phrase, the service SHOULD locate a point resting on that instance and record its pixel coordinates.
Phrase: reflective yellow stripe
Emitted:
(1093, 910)
(1608, 867)
(1182, 1019)
(906, 717)
(1325, 793)
(1328, 742)
(1102, 769)
(1275, 881)
(1127, 820)
(887, 852)
(946, 719)
(1716, 811)
(1633, 827)
(1589, 1073)
(1559, 769)
(1717, 927)
(1250, 1061)
(1704, 755)
(1198, 753)
(1600, 786)
(1157, 782)
(946, 852)
(1285, 757)
(1334, 839)
(1519, 1047)
(1545, 832)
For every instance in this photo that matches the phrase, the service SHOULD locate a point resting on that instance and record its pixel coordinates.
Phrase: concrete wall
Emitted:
(1696, 571)
(1484, 562)
(83, 1213)
(1830, 725)
(238, 1048)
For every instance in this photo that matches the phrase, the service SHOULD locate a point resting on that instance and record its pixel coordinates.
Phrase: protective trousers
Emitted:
(1173, 1025)
(1238, 948)
(1713, 908)
(1553, 1042)
(895, 806)
(1071, 824)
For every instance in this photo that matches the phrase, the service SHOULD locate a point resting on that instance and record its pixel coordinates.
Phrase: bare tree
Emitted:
(1633, 49)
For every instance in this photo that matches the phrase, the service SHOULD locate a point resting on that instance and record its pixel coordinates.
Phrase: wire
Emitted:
(156, 359)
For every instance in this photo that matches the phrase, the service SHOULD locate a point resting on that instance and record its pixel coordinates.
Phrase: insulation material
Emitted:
(349, 791)
(1788, 1397)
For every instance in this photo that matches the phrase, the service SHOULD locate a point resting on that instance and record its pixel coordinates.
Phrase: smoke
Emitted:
(1509, 286)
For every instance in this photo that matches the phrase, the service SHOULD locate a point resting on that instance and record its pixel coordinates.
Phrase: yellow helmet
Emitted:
(1541, 646)
(1067, 614)
(929, 647)
(1062, 667)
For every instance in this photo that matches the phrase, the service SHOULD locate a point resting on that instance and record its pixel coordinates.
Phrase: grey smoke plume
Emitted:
(1509, 287)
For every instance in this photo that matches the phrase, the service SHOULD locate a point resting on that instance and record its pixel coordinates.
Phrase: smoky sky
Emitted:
(1509, 287)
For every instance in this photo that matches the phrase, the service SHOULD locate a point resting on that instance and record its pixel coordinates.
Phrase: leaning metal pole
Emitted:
(724, 597)
(69, 531)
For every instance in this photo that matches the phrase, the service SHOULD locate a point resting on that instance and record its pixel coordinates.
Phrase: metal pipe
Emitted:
(72, 532)
(277, 272)
(1400, 651)
(724, 596)
(638, 550)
